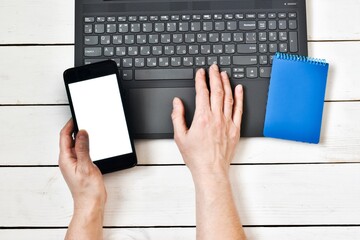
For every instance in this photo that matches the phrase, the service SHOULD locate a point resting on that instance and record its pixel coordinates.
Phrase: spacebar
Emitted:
(164, 74)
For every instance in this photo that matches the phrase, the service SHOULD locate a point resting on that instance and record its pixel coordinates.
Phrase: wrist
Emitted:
(211, 177)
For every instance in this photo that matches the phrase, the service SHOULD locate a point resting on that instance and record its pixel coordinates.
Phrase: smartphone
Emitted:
(98, 106)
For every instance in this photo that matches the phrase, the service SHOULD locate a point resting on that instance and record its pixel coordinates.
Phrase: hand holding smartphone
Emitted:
(97, 106)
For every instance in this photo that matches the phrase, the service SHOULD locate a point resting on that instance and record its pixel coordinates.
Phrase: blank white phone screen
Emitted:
(99, 110)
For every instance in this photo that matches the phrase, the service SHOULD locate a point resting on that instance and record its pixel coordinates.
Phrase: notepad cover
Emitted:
(296, 98)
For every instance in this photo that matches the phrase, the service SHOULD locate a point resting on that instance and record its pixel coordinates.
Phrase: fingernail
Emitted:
(81, 135)
(215, 67)
(201, 71)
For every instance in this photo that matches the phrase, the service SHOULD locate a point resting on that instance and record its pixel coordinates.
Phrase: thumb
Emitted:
(178, 118)
(82, 146)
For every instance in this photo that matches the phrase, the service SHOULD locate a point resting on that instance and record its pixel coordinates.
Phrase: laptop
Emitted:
(159, 44)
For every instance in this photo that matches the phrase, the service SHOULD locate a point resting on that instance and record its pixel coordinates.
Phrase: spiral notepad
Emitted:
(296, 98)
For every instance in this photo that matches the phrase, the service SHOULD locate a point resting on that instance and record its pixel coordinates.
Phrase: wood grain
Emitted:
(164, 196)
(32, 135)
(298, 233)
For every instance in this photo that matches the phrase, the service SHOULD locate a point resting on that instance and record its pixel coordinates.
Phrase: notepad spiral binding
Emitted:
(299, 58)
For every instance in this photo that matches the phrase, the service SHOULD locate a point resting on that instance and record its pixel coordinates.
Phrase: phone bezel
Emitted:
(91, 71)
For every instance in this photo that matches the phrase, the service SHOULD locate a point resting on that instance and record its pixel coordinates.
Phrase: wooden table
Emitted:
(283, 190)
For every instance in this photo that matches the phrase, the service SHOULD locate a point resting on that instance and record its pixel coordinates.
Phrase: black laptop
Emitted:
(159, 44)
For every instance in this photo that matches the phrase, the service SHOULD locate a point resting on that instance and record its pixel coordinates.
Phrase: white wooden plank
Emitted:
(34, 74)
(298, 233)
(333, 19)
(40, 78)
(164, 196)
(36, 21)
(54, 21)
(32, 135)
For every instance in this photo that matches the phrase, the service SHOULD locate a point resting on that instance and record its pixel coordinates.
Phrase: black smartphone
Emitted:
(98, 105)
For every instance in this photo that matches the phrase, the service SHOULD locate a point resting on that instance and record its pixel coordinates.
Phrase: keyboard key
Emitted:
(177, 38)
(109, 51)
(272, 25)
(292, 24)
(283, 47)
(272, 36)
(89, 19)
(183, 27)
(273, 48)
(153, 38)
(111, 19)
(171, 27)
(214, 37)
(218, 16)
(151, 62)
(122, 19)
(144, 50)
(181, 49)
(141, 39)
(117, 39)
(262, 48)
(293, 39)
(88, 28)
(111, 28)
(91, 40)
(292, 15)
(135, 27)
(189, 38)
(205, 49)
(147, 27)
(99, 28)
(239, 16)
(271, 15)
(251, 37)
(169, 50)
(247, 25)
(100, 19)
(175, 17)
(245, 60)
(262, 25)
(282, 15)
(196, 17)
(154, 18)
(238, 75)
(225, 60)
(228, 16)
(201, 37)
(226, 37)
(175, 61)
(159, 27)
(262, 36)
(188, 61)
(93, 52)
(282, 24)
(246, 48)
(238, 37)
(105, 40)
(132, 18)
(250, 16)
(164, 62)
(120, 51)
(133, 51)
(139, 62)
(193, 49)
(217, 49)
(283, 36)
(143, 18)
(127, 62)
(200, 61)
(265, 72)
(219, 26)
(238, 70)
(129, 39)
(127, 75)
(229, 48)
(91, 61)
(207, 17)
(195, 26)
(165, 38)
(212, 60)
(251, 72)
(261, 15)
(207, 26)
(185, 17)
(263, 60)
(164, 74)
(231, 26)
(123, 28)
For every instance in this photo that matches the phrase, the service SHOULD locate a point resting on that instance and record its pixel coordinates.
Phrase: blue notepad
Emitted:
(296, 98)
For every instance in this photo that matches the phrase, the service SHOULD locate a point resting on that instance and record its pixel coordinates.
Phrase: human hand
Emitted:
(208, 146)
(82, 176)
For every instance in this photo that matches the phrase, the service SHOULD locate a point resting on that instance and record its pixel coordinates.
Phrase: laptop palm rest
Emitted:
(151, 110)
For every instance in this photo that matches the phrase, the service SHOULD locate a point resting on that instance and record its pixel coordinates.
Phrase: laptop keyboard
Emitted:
(162, 47)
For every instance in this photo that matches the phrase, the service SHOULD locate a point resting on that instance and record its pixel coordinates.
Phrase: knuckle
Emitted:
(219, 92)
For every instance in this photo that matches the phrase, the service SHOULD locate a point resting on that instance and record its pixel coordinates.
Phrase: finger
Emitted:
(178, 118)
(216, 90)
(202, 92)
(82, 147)
(66, 140)
(228, 98)
(238, 105)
